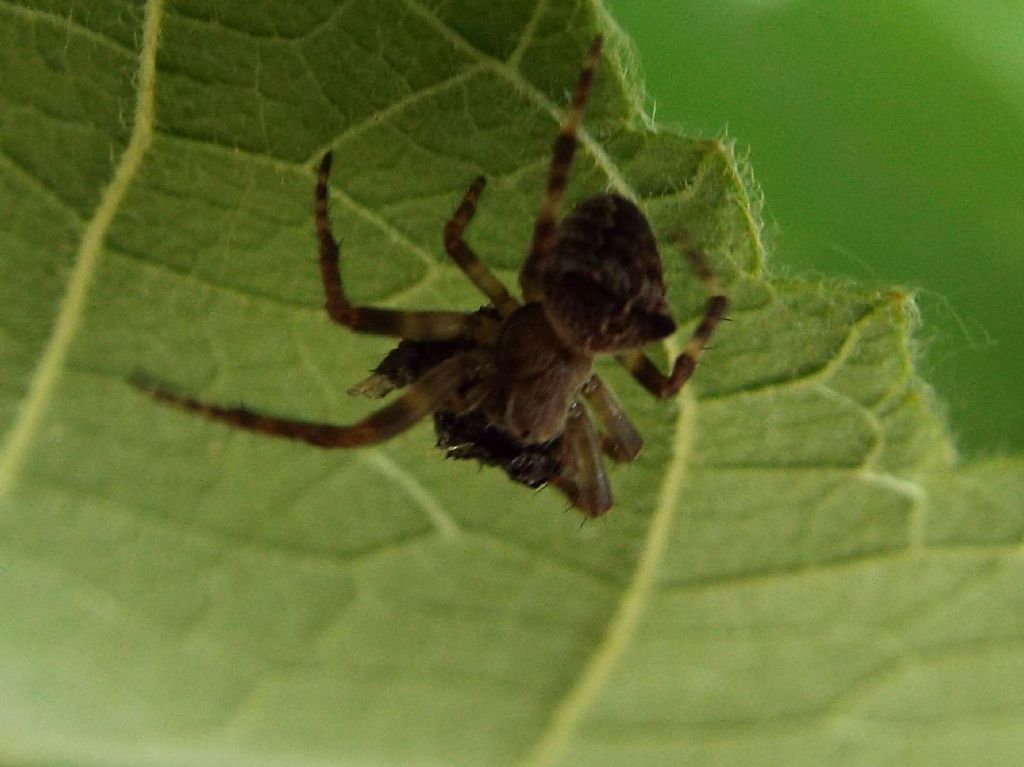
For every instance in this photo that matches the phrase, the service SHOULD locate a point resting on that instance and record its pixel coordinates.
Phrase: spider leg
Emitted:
(621, 441)
(545, 229)
(420, 399)
(420, 325)
(646, 372)
(583, 477)
(467, 260)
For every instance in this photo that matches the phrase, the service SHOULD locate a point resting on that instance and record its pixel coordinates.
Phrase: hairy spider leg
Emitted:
(621, 441)
(646, 372)
(583, 478)
(419, 400)
(419, 325)
(545, 229)
(467, 260)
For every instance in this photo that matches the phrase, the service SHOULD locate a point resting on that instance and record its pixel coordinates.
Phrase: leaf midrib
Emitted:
(568, 713)
(51, 363)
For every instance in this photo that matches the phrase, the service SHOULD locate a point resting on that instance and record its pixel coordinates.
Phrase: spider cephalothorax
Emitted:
(511, 384)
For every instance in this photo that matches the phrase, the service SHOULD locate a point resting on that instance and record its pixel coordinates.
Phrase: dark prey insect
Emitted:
(511, 384)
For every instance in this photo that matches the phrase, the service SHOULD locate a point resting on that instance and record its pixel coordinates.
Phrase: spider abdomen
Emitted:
(603, 289)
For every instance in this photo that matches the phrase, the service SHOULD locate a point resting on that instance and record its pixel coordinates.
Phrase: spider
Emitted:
(510, 384)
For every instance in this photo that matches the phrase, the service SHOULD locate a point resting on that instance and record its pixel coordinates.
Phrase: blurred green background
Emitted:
(888, 138)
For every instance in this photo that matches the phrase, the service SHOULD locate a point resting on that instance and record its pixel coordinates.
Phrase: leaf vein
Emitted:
(70, 25)
(375, 119)
(15, 168)
(525, 87)
(48, 372)
(528, 34)
(415, 489)
(389, 229)
(555, 738)
(813, 378)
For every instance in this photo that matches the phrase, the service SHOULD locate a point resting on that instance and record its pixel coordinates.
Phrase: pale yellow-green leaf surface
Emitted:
(797, 570)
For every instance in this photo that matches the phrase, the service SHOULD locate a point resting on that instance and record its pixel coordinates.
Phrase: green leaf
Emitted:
(797, 570)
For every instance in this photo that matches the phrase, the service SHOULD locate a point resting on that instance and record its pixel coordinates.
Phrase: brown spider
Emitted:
(505, 383)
